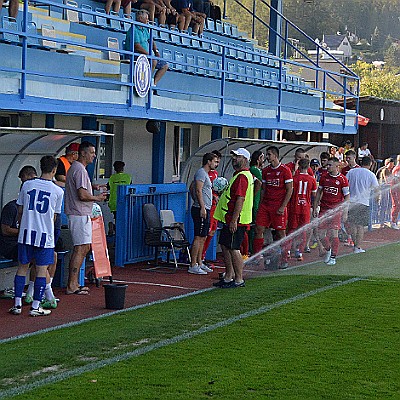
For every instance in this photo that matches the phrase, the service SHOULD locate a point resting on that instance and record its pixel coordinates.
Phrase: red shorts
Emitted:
(268, 217)
(298, 220)
(213, 221)
(334, 221)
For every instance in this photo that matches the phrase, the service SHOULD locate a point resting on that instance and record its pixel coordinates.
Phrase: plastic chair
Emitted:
(168, 237)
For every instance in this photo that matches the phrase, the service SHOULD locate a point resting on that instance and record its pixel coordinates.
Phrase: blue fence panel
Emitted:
(130, 227)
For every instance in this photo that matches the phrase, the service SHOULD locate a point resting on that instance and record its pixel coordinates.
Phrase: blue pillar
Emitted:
(275, 27)
(158, 155)
(243, 133)
(216, 132)
(265, 134)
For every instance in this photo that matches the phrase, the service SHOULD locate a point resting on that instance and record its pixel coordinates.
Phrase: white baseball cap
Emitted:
(242, 152)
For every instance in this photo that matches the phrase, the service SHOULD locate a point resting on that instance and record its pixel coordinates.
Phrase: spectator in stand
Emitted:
(142, 45)
(395, 194)
(364, 151)
(13, 6)
(173, 18)
(202, 202)
(362, 182)
(194, 19)
(304, 186)
(65, 161)
(78, 206)
(213, 174)
(155, 9)
(234, 210)
(333, 190)
(277, 189)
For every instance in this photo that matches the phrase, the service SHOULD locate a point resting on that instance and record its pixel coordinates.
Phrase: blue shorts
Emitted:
(41, 256)
(160, 64)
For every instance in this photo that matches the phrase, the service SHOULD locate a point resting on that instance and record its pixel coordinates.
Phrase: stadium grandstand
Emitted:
(67, 74)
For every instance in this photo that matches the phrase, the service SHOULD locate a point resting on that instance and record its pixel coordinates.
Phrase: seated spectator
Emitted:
(115, 4)
(173, 18)
(142, 45)
(156, 9)
(13, 6)
(194, 19)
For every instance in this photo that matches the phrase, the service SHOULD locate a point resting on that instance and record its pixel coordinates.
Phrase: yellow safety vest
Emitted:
(245, 216)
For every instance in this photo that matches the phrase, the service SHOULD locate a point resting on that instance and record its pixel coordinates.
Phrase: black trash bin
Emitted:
(115, 295)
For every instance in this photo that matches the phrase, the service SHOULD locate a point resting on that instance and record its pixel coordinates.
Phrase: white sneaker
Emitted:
(206, 268)
(38, 312)
(332, 261)
(393, 225)
(358, 250)
(327, 256)
(15, 310)
(196, 269)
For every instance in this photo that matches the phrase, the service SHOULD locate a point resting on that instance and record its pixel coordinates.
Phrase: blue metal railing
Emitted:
(279, 67)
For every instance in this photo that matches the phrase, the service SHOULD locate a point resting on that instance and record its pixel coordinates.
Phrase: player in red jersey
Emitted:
(294, 165)
(351, 162)
(213, 174)
(333, 190)
(324, 157)
(304, 186)
(277, 187)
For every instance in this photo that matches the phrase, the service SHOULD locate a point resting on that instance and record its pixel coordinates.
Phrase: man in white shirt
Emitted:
(361, 181)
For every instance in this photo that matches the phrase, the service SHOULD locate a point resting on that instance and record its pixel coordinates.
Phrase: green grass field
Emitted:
(282, 337)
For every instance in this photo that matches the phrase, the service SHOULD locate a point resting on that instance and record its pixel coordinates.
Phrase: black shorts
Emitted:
(201, 225)
(230, 240)
(359, 214)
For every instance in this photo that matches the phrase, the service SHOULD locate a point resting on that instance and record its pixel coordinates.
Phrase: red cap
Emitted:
(72, 148)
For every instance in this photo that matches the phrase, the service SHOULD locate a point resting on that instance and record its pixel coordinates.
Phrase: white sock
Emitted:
(35, 304)
(18, 301)
(48, 292)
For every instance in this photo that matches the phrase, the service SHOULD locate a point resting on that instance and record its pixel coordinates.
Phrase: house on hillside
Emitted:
(339, 43)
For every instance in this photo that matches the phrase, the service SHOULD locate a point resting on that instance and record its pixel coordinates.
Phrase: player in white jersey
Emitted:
(39, 200)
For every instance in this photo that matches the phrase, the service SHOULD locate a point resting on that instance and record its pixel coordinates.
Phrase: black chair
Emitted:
(167, 238)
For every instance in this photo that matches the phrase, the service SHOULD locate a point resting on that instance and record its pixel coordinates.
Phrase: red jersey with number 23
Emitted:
(303, 186)
(275, 180)
(334, 188)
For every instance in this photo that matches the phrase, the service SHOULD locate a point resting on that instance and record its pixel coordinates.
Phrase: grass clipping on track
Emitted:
(342, 343)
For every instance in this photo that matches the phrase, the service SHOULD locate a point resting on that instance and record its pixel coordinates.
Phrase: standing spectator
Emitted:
(333, 190)
(364, 151)
(78, 206)
(9, 220)
(361, 181)
(234, 210)
(39, 201)
(395, 194)
(119, 178)
(314, 165)
(13, 6)
(213, 174)
(383, 175)
(64, 163)
(202, 202)
(348, 146)
(277, 188)
(304, 186)
(142, 45)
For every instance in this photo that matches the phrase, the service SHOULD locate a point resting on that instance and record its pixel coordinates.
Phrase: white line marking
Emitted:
(155, 284)
(163, 343)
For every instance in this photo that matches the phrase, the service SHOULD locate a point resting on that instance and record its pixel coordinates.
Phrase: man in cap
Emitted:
(277, 189)
(64, 163)
(234, 210)
(314, 165)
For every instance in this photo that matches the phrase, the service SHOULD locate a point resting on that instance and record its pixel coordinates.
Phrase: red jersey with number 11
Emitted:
(303, 186)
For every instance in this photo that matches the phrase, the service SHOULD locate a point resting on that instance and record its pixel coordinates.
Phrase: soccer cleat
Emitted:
(307, 249)
(206, 268)
(221, 283)
(49, 303)
(358, 250)
(241, 284)
(16, 310)
(299, 257)
(332, 261)
(8, 293)
(28, 299)
(245, 257)
(349, 242)
(284, 265)
(327, 256)
(393, 225)
(314, 245)
(38, 312)
(196, 269)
